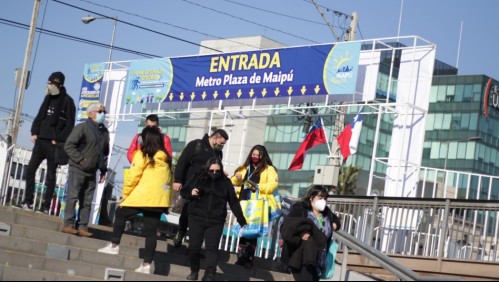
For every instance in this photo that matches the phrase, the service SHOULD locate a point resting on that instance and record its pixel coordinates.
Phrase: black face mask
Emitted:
(215, 176)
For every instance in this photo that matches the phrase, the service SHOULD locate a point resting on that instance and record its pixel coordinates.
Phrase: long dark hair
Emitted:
(264, 160)
(312, 192)
(204, 176)
(152, 142)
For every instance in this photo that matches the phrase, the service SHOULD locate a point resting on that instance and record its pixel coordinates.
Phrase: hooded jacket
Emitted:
(147, 185)
(212, 201)
(55, 118)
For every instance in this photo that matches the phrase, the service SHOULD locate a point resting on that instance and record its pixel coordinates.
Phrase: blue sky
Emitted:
(291, 22)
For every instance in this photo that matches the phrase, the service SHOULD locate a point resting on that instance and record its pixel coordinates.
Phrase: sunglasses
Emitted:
(101, 111)
(214, 171)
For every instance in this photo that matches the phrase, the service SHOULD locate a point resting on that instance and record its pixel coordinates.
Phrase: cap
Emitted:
(57, 77)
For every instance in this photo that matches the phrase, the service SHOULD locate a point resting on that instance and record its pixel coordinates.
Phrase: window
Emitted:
(459, 93)
(433, 94)
(430, 121)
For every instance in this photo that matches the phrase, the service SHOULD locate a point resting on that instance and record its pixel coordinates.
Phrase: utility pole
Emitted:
(327, 22)
(352, 30)
(24, 73)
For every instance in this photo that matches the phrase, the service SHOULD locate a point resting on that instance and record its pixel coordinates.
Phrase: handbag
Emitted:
(60, 155)
(275, 206)
(256, 213)
(328, 271)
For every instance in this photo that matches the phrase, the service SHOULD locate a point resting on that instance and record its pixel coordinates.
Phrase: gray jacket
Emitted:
(84, 148)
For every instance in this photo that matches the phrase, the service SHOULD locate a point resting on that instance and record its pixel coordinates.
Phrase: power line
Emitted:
(248, 21)
(77, 39)
(166, 23)
(272, 12)
(138, 26)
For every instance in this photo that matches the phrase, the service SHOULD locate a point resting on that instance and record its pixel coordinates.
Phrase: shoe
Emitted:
(144, 269)
(44, 210)
(109, 249)
(69, 230)
(84, 233)
(209, 276)
(25, 206)
(177, 240)
(192, 276)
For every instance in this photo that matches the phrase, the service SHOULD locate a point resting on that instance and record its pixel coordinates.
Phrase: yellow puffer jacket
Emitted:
(267, 185)
(146, 185)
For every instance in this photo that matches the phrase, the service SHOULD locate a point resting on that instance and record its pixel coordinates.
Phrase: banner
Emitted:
(90, 88)
(149, 81)
(295, 71)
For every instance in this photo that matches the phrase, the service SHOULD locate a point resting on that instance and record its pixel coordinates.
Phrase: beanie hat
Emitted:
(57, 77)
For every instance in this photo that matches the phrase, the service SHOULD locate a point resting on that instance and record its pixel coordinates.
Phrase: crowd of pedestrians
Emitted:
(199, 176)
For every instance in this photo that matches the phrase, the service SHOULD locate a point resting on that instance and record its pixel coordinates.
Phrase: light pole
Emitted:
(89, 19)
(474, 138)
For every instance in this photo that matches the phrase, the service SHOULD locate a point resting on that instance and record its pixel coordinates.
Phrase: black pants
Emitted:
(151, 223)
(183, 221)
(200, 229)
(246, 249)
(42, 150)
(306, 273)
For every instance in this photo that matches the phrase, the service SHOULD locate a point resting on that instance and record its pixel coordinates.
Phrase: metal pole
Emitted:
(109, 60)
(27, 58)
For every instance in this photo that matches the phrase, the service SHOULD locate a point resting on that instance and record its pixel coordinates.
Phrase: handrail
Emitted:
(384, 261)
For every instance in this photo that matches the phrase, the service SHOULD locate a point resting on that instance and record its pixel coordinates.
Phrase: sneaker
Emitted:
(109, 249)
(192, 276)
(144, 269)
(177, 240)
(25, 206)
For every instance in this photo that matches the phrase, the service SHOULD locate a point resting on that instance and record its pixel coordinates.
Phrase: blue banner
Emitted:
(90, 88)
(297, 71)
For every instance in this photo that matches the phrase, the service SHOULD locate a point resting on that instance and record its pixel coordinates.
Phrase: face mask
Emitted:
(319, 205)
(100, 118)
(255, 160)
(218, 147)
(215, 176)
(52, 90)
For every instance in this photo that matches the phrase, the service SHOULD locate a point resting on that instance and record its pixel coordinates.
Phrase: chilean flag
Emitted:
(315, 136)
(348, 140)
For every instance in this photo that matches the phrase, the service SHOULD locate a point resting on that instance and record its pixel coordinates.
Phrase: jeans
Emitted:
(42, 150)
(80, 189)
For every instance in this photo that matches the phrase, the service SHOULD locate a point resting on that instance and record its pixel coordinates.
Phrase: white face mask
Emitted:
(52, 90)
(100, 118)
(319, 205)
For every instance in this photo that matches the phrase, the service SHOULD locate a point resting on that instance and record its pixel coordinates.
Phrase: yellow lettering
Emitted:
(253, 62)
(243, 62)
(276, 61)
(214, 64)
(264, 60)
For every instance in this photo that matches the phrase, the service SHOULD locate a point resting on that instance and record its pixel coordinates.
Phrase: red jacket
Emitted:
(135, 146)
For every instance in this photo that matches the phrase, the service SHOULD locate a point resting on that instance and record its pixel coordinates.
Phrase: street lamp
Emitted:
(474, 138)
(89, 19)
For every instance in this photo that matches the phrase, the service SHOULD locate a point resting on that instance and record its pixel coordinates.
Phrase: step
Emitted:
(83, 249)
(14, 273)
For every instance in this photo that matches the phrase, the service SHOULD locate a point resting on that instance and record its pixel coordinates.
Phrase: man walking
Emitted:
(51, 128)
(194, 156)
(85, 153)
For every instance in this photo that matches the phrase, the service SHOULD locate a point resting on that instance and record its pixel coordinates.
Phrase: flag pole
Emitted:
(325, 135)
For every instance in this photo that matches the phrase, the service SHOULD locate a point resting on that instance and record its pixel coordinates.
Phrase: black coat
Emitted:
(295, 251)
(211, 204)
(193, 158)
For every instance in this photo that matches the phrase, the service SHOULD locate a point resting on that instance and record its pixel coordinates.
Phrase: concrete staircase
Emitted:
(32, 247)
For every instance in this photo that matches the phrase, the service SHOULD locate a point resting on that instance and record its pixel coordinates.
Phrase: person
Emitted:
(209, 194)
(85, 152)
(151, 121)
(189, 164)
(108, 189)
(259, 170)
(145, 191)
(306, 232)
(51, 127)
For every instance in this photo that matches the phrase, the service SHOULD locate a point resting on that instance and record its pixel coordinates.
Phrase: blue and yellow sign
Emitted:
(90, 88)
(297, 71)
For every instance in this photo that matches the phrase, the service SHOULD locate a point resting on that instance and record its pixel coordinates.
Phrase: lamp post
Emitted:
(89, 19)
(474, 138)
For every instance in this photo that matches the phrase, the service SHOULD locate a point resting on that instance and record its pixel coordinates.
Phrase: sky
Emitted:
(175, 28)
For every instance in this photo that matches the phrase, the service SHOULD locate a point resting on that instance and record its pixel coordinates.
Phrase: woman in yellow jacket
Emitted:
(260, 171)
(146, 190)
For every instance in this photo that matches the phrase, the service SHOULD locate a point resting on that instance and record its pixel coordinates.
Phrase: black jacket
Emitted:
(55, 118)
(212, 202)
(296, 252)
(193, 158)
